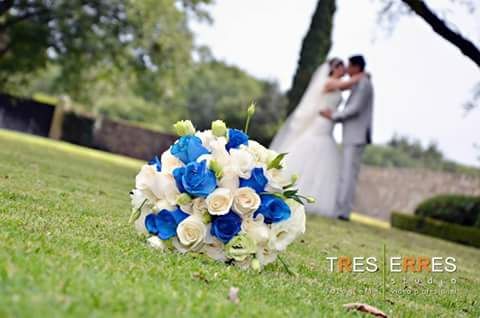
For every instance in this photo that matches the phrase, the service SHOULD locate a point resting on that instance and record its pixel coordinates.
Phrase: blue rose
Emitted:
(178, 174)
(225, 227)
(188, 149)
(257, 180)
(273, 209)
(236, 138)
(164, 224)
(195, 179)
(155, 162)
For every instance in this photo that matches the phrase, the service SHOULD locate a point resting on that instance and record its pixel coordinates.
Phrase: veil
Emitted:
(304, 114)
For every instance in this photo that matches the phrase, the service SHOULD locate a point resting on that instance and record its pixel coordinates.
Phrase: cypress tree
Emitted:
(315, 47)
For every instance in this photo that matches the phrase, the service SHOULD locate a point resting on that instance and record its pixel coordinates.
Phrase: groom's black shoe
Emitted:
(343, 218)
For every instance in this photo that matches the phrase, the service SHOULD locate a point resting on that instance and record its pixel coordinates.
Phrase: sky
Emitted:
(420, 80)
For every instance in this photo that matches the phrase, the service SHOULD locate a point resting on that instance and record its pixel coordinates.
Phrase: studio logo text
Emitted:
(394, 264)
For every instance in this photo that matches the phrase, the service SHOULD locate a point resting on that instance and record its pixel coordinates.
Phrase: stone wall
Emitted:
(25, 115)
(125, 139)
(116, 136)
(382, 190)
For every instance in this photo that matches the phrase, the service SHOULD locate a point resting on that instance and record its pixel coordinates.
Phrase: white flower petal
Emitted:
(220, 201)
(156, 243)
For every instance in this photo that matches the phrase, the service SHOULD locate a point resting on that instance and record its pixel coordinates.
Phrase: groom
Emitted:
(356, 118)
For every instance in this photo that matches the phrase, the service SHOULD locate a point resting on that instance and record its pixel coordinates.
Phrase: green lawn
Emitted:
(66, 250)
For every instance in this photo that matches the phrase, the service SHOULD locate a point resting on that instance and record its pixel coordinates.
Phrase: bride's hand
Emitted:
(327, 113)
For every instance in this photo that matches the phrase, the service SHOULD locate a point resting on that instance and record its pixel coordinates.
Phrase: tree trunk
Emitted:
(440, 27)
(315, 48)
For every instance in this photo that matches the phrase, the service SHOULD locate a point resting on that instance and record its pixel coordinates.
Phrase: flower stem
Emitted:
(247, 124)
(136, 214)
(250, 112)
(289, 271)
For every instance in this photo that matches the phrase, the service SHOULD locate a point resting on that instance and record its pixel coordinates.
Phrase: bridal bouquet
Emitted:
(216, 192)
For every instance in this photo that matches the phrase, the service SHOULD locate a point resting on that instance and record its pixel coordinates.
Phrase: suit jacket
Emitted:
(357, 114)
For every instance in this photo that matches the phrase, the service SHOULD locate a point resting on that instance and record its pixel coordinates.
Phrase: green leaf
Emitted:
(277, 162)
(290, 193)
(277, 194)
(216, 168)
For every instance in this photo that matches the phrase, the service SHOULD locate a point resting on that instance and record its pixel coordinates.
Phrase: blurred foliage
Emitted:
(404, 152)
(315, 48)
(452, 208)
(130, 60)
(220, 91)
(92, 48)
(467, 235)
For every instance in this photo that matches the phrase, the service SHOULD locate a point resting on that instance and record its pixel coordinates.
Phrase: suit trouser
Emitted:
(352, 159)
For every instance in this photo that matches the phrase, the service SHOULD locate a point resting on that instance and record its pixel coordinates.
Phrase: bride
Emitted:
(308, 139)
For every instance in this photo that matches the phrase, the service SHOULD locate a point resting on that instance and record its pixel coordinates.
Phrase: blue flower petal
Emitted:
(179, 215)
(178, 174)
(197, 180)
(257, 180)
(236, 138)
(150, 224)
(225, 227)
(156, 162)
(273, 209)
(166, 224)
(188, 149)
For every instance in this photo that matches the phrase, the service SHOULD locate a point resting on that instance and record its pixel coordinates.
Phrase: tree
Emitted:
(220, 91)
(393, 8)
(87, 42)
(406, 152)
(315, 48)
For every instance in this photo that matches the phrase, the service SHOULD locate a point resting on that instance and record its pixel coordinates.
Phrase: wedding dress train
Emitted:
(314, 156)
(312, 151)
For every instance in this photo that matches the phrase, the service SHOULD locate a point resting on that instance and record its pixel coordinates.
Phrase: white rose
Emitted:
(191, 233)
(167, 188)
(219, 201)
(213, 247)
(242, 162)
(199, 206)
(207, 137)
(156, 243)
(139, 223)
(229, 180)
(245, 201)
(157, 186)
(256, 229)
(137, 198)
(266, 256)
(163, 205)
(219, 152)
(145, 181)
(170, 162)
(277, 179)
(196, 206)
(285, 232)
(259, 152)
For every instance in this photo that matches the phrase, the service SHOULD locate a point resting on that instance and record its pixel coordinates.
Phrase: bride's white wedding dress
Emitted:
(312, 150)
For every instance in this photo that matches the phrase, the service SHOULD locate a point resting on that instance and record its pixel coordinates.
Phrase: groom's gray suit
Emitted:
(357, 128)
